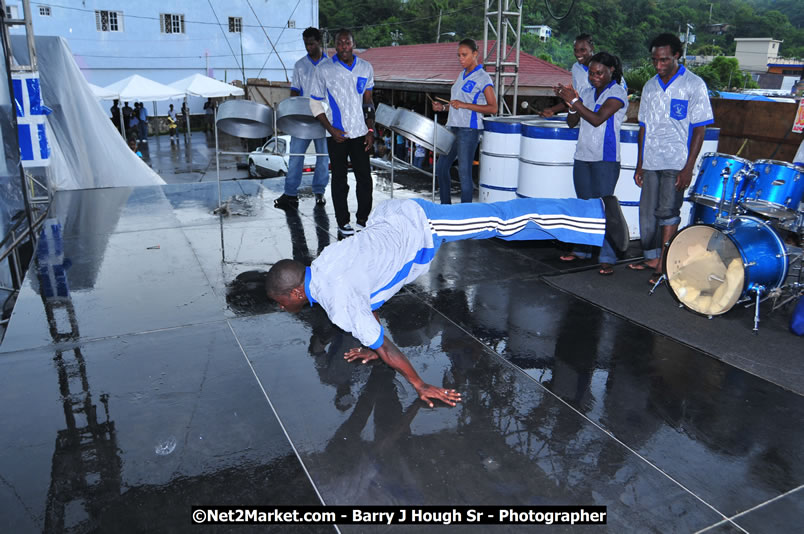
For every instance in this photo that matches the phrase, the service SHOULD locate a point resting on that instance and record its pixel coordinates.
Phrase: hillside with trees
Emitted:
(623, 27)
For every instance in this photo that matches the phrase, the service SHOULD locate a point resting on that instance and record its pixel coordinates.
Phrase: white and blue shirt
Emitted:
(357, 275)
(303, 72)
(580, 77)
(343, 86)
(601, 143)
(468, 88)
(351, 278)
(669, 112)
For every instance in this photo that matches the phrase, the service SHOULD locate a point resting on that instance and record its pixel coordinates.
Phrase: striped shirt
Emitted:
(468, 88)
(601, 143)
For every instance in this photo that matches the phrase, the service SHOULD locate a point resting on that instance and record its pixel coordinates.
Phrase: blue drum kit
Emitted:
(743, 241)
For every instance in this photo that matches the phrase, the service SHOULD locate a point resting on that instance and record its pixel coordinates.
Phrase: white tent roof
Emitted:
(200, 85)
(137, 87)
(102, 93)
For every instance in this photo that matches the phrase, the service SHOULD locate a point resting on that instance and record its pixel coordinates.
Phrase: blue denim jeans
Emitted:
(595, 179)
(659, 205)
(296, 165)
(463, 148)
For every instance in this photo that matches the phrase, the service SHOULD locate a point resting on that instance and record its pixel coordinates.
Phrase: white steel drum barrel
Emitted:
(546, 155)
(627, 191)
(499, 158)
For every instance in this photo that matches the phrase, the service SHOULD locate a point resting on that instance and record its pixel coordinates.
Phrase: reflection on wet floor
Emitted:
(144, 370)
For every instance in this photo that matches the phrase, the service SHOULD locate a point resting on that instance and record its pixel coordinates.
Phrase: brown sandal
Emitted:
(606, 269)
(566, 258)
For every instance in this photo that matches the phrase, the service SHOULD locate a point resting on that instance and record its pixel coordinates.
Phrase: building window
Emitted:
(109, 21)
(172, 23)
(235, 24)
(44, 11)
(291, 23)
(12, 12)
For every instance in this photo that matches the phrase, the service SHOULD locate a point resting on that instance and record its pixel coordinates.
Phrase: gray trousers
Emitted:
(659, 205)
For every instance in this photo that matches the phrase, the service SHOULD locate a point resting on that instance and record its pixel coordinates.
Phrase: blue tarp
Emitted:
(740, 96)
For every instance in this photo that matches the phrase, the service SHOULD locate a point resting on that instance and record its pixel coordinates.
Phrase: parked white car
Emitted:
(272, 158)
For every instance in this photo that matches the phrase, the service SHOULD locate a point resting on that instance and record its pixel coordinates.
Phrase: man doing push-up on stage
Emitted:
(351, 279)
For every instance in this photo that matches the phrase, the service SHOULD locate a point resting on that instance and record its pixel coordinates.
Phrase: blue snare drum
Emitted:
(710, 267)
(708, 187)
(776, 189)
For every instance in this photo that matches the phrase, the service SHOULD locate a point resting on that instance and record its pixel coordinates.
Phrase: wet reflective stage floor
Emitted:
(144, 371)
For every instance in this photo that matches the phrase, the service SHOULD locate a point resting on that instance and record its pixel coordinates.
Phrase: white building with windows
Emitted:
(544, 32)
(167, 41)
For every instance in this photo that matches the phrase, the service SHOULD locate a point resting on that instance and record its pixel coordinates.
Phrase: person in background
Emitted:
(143, 124)
(471, 96)
(209, 111)
(584, 49)
(600, 109)
(172, 123)
(185, 117)
(418, 156)
(673, 113)
(134, 123)
(115, 110)
(132, 144)
(302, 81)
(347, 82)
(127, 114)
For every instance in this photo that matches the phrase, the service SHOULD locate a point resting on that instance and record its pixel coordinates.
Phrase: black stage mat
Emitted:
(773, 354)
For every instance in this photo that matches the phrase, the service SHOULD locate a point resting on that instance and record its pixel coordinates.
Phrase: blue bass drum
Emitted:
(710, 267)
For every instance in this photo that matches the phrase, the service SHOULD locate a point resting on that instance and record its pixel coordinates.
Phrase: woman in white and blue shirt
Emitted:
(602, 106)
(472, 95)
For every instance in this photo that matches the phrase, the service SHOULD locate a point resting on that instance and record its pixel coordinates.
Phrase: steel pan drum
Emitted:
(708, 188)
(246, 119)
(385, 115)
(293, 116)
(710, 267)
(419, 129)
(776, 190)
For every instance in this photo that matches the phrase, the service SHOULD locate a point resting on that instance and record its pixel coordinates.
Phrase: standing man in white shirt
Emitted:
(673, 114)
(347, 81)
(303, 73)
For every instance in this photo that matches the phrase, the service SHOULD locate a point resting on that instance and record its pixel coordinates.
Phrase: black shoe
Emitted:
(320, 200)
(287, 202)
(616, 225)
(346, 230)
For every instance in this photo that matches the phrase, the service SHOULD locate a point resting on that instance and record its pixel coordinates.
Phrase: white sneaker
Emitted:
(346, 230)
(359, 227)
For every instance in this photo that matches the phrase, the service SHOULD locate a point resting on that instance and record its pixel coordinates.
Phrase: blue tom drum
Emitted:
(710, 267)
(708, 188)
(776, 189)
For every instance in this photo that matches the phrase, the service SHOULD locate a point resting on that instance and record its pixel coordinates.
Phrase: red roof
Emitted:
(438, 63)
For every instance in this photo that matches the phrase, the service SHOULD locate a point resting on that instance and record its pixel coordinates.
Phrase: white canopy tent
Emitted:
(204, 86)
(102, 93)
(200, 85)
(137, 87)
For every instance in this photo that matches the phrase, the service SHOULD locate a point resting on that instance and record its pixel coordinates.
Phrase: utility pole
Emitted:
(396, 35)
(686, 42)
(438, 31)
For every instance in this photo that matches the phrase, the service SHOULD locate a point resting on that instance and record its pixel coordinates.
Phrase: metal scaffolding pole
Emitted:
(503, 23)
